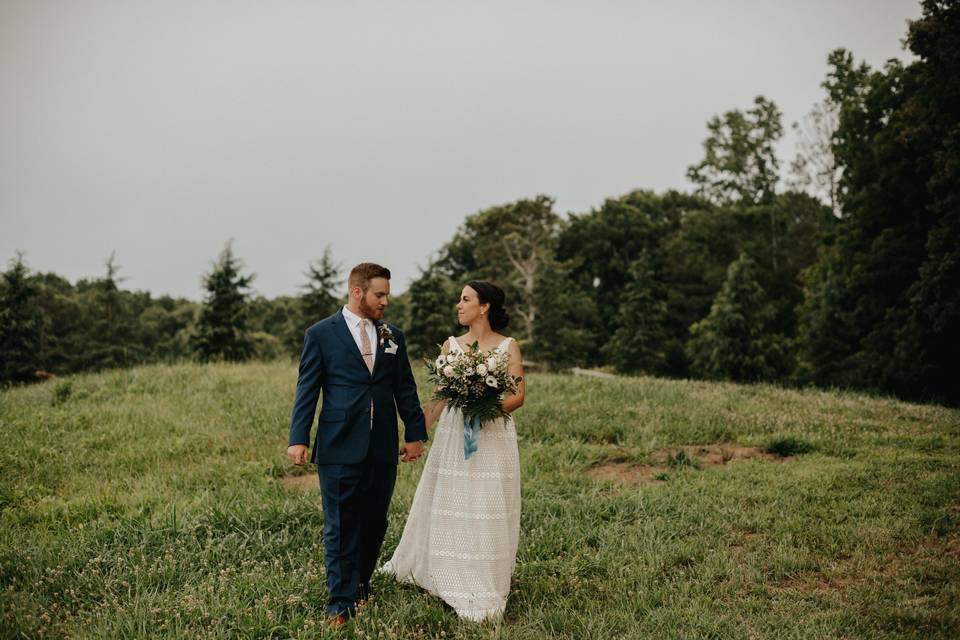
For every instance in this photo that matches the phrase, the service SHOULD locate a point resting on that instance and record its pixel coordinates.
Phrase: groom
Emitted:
(361, 365)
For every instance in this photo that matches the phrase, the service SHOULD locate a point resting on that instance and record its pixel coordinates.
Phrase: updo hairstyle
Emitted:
(489, 293)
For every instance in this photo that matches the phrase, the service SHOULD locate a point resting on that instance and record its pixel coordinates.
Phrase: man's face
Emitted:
(376, 298)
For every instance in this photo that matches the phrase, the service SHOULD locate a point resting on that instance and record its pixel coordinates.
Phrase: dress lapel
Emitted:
(343, 332)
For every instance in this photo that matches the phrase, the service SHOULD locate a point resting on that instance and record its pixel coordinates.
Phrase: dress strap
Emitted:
(506, 341)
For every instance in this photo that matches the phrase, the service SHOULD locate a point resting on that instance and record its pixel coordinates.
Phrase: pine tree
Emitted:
(639, 342)
(111, 338)
(221, 331)
(20, 325)
(323, 279)
(735, 341)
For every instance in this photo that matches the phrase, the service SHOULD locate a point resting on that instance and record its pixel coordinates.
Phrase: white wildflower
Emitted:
(451, 358)
(482, 369)
(491, 362)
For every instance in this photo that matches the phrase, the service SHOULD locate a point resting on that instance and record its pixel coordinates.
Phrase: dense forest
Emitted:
(846, 274)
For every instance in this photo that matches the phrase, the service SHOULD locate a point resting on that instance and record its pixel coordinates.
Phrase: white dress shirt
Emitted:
(353, 322)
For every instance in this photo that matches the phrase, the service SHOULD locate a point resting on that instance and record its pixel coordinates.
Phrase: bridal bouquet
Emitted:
(474, 382)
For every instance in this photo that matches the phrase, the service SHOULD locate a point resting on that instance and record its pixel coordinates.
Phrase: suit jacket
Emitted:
(331, 363)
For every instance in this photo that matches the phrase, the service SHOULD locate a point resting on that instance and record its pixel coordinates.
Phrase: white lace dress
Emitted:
(460, 539)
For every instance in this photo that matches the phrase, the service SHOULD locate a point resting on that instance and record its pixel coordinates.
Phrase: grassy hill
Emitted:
(157, 502)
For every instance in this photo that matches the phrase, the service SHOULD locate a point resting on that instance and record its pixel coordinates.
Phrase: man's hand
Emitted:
(410, 451)
(298, 454)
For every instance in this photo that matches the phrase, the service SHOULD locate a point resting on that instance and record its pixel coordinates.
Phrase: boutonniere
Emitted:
(383, 330)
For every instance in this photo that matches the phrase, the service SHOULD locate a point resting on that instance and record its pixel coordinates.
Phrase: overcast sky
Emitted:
(160, 130)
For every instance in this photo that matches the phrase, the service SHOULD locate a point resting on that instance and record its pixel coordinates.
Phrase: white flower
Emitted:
(468, 371)
(491, 363)
(448, 371)
(451, 358)
(482, 369)
(492, 382)
(440, 362)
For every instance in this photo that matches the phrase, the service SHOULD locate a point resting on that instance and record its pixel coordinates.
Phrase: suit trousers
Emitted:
(356, 498)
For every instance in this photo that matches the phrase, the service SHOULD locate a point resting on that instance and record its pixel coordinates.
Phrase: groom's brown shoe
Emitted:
(364, 599)
(336, 621)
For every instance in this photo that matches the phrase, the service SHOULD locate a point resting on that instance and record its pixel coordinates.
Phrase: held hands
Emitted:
(298, 454)
(410, 451)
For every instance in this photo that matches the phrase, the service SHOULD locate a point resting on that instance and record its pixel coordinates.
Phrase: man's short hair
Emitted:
(363, 273)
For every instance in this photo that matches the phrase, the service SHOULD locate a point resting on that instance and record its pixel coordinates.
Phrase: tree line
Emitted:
(845, 275)
(50, 326)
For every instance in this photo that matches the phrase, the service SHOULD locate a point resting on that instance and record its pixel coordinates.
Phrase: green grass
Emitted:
(146, 503)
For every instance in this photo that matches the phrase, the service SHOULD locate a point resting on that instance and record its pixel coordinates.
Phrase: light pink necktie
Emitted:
(367, 357)
(366, 349)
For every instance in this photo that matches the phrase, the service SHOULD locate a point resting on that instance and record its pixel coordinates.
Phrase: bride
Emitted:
(460, 540)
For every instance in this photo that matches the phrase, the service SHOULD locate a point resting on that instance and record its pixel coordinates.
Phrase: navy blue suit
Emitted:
(356, 458)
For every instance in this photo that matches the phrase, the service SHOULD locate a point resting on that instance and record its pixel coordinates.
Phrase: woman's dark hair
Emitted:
(489, 293)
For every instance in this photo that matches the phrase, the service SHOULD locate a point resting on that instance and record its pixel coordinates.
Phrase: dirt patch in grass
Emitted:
(697, 456)
(627, 473)
(308, 483)
(712, 455)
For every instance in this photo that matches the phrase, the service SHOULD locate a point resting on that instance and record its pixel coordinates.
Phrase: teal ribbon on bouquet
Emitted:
(471, 435)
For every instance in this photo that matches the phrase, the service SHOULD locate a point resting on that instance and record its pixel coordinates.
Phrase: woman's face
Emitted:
(469, 307)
